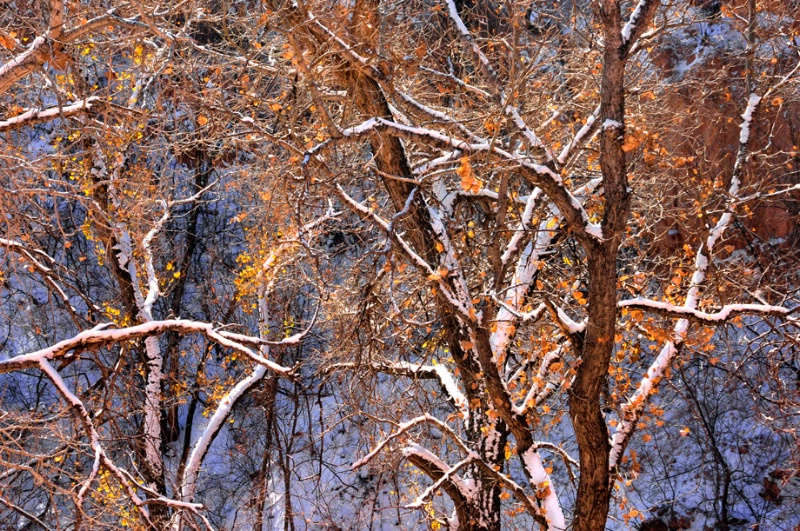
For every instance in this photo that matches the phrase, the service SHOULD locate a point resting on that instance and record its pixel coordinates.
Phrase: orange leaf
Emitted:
(469, 182)
(7, 41)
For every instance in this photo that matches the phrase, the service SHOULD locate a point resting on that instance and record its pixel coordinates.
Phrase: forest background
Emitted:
(412, 264)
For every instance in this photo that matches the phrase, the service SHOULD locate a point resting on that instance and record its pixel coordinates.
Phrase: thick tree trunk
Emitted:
(594, 487)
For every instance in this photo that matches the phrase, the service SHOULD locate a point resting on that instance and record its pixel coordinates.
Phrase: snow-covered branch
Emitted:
(448, 475)
(535, 394)
(47, 273)
(540, 479)
(580, 138)
(102, 459)
(462, 306)
(725, 313)
(403, 428)
(438, 372)
(539, 175)
(200, 449)
(52, 41)
(100, 336)
(34, 116)
(637, 23)
(486, 66)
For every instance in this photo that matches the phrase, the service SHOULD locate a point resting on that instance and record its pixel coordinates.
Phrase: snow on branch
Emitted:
(403, 428)
(522, 227)
(33, 116)
(567, 323)
(443, 475)
(455, 79)
(540, 479)
(581, 136)
(438, 115)
(450, 261)
(725, 313)
(435, 467)
(437, 372)
(533, 140)
(462, 306)
(47, 273)
(462, 29)
(215, 423)
(536, 393)
(43, 46)
(640, 17)
(101, 458)
(527, 265)
(540, 175)
(100, 336)
(21, 65)
(449, 475)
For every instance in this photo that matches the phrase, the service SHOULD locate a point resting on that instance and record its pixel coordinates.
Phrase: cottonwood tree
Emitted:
(124, 272)
(522, 262)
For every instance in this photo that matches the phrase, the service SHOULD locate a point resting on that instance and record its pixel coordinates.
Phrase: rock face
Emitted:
(703, 72)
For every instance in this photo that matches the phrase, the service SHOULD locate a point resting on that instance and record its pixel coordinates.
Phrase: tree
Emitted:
(487, 209)
(518, 224)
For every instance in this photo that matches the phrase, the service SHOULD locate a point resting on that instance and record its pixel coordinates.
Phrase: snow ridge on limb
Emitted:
(439, 372)
(101, 336)
(726, 312)
(632, 410)
(33, 116)
(526, 267)
(215, 423)
(535, 393)
(463, 307)
(462, 29)
(403, 428)
(47, 274)
(537, 174)
(188, 480)
(580, 137)
(449, 475)
(637, 23)
(541, 480)
(460, 490)
(53, 40)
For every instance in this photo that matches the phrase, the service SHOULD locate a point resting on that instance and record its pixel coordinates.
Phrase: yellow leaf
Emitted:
(177, 274)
